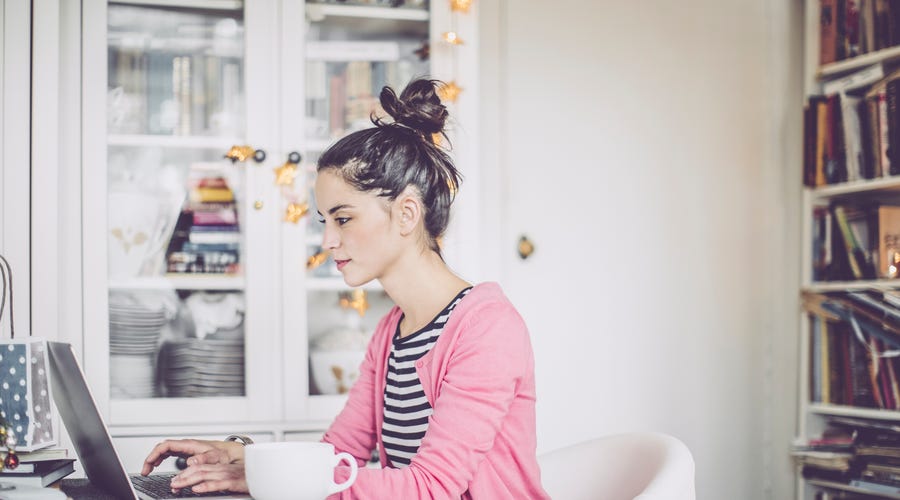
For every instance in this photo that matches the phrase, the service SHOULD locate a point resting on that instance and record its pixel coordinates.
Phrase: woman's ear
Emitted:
(408, 210)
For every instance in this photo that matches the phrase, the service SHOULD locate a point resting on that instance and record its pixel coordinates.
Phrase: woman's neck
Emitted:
(421, 287)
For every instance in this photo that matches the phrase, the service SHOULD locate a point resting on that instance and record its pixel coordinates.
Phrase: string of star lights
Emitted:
(450, 91)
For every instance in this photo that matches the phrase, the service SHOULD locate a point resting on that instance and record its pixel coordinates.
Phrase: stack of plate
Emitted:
(134, 326)
(135, 323)
(131, 376)
(203, 367)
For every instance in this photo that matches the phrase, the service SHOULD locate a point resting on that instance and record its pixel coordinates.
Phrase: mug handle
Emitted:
(354, 469)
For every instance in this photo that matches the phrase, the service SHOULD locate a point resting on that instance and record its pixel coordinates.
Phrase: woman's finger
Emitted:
(213, 456)
(210, 477)
(172, 447)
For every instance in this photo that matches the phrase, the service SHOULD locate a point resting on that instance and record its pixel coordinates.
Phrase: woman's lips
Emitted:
(341, 263)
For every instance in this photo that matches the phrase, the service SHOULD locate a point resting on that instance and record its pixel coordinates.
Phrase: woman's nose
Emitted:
(330, 239)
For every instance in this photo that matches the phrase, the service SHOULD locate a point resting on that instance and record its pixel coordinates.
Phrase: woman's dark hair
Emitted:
(391, 156)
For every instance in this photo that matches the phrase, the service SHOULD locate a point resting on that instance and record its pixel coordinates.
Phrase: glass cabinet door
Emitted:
(350, 50)
(187, 262)
(208, 296)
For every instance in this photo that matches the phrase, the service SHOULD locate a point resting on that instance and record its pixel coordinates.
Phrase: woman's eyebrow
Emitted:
(335, 208)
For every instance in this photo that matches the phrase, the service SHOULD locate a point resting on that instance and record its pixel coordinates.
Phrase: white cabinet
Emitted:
(202, 298)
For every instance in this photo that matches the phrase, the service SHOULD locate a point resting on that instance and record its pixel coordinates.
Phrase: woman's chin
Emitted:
(355, 282)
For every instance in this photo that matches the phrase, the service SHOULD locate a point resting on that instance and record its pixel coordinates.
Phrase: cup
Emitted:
(295, 470)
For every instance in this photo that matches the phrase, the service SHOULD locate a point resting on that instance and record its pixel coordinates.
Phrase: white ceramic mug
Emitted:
(295, 470)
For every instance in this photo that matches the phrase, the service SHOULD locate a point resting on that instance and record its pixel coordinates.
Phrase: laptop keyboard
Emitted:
(159, 486)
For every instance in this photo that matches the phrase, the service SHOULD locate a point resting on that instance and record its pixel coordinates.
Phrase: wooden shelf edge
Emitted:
(858, 62)
(841, 286)
(180, 282)
(846, 487)
(850, 411)
(859, 186)
(317, 12)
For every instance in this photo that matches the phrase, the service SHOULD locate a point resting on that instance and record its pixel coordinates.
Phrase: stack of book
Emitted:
(848, 28)
(855, 241)
(862, 454)
(207, 235)
(851, 334)
(39, 468)
(849, 128)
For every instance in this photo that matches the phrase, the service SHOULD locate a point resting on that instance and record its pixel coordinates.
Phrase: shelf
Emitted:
(889, 54)
(846, 487)
(318, 12)
(850, 411)
(195, 4)
(861, 186)
(365, 22)
(180, 282)
(174, 141)
(840, 286)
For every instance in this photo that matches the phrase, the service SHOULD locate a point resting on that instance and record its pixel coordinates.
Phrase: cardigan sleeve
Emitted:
(486, 365)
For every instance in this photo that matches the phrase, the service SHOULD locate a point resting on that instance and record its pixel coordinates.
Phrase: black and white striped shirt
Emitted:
(406, 410)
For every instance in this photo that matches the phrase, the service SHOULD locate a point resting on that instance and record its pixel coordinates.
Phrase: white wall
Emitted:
(15, 178)
(642, 146)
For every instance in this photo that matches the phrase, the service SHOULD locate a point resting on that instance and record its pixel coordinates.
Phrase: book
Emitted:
(828, 31)
(888, 241)
(876, 96)
(852, 131)
(850, 244)
(875, 487)
(42, 454)
(859, 79)
(849, 29)
(42, 473)
(821, 243)
(821, 141)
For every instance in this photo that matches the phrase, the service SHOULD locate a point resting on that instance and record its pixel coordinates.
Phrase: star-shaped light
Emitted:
(316, 260)
(452, 38)
(460, 5)
(449, 92)
(239, 153)
(355, 299)
(295, 212)
(284, 175)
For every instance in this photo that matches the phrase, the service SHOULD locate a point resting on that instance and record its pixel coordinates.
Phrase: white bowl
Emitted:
(335, 371)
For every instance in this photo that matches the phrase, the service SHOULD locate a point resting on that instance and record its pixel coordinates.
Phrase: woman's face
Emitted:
(358, 229)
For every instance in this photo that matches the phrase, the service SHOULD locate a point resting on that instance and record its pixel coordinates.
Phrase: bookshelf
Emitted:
(849, 325)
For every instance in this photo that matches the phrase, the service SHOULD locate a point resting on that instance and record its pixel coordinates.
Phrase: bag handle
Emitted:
(5, 270)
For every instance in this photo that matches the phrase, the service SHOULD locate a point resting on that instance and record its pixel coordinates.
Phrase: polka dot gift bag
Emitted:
(24, 383)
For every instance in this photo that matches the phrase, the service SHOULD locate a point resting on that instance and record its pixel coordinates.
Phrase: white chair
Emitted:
(633, 466)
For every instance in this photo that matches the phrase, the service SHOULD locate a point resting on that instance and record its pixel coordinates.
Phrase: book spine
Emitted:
(893, 146)
(850, 244)
(828, 31)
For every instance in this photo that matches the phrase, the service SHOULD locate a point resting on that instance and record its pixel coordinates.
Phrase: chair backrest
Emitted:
(633, 466)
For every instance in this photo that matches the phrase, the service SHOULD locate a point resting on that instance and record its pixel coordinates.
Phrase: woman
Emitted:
(446, 391)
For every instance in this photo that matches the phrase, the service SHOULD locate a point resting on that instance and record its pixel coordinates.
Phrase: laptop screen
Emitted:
(82, 419)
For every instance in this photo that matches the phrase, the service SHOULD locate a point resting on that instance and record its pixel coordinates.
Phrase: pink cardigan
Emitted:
(479, 378)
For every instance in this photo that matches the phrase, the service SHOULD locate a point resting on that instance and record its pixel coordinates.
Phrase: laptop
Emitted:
(92, 441)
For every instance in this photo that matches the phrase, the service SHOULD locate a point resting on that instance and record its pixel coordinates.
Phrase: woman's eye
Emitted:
(342, 220)
(321, 220)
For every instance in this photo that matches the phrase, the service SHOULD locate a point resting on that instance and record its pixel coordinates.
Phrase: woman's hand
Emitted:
(196, 451)
(212, 477)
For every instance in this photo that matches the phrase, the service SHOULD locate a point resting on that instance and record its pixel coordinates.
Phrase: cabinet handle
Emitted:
(242, 153)
(525, 247)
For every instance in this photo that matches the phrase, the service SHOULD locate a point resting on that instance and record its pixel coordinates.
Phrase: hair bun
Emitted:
(418, 106)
